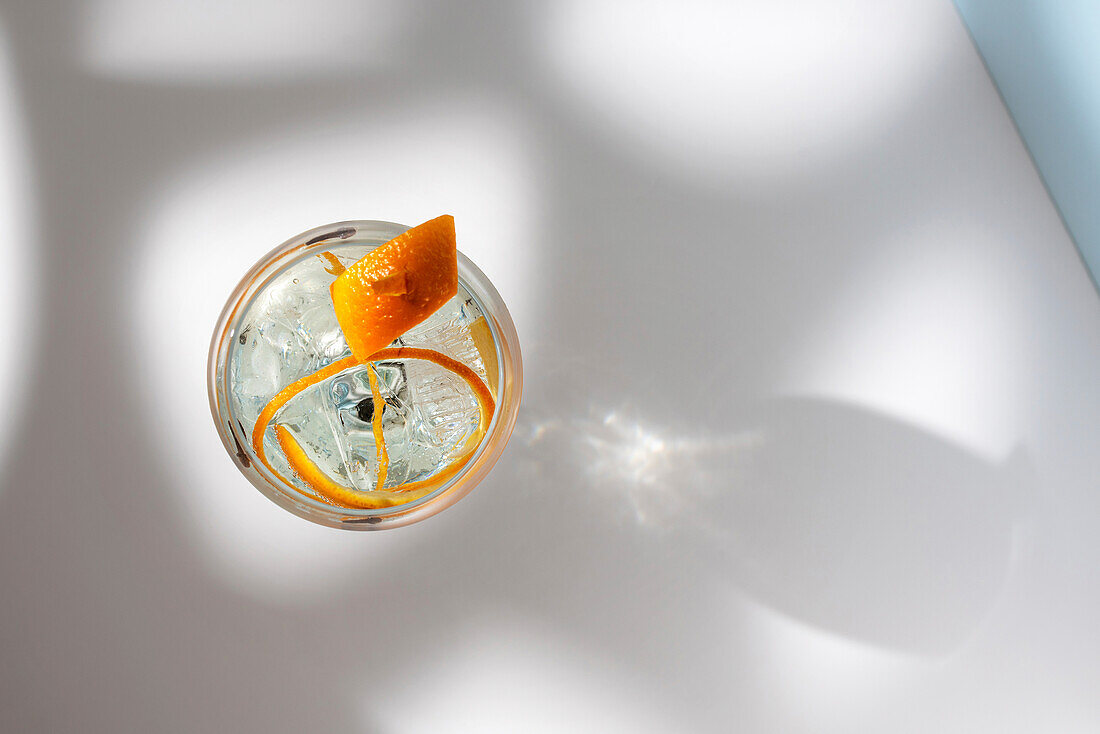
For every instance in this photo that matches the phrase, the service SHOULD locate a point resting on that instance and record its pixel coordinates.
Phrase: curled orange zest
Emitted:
(285, 395)
(340, 495)
(335, 267)
(376, 428)
(330, 491)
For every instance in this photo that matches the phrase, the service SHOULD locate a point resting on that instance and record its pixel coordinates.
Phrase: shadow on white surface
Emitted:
(932, 328)
(179, 42)
(665, 527)
(845, 519)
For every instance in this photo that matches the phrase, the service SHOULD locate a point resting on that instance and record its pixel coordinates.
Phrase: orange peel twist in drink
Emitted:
(377, 299)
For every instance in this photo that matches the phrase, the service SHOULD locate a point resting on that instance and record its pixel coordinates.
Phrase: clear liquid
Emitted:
(289, 331)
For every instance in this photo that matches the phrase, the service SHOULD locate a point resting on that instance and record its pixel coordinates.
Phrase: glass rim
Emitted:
(235, 438)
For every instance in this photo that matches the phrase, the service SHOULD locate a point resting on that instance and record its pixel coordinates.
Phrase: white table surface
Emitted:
(811, 432)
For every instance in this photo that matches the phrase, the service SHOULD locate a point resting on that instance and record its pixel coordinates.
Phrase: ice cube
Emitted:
(448, 410)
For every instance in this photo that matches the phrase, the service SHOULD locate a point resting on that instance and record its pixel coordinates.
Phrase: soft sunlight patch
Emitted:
(18, 249)
(211, 222)
(931, 331)
(510, 674)
(820, 680)
(733, 88)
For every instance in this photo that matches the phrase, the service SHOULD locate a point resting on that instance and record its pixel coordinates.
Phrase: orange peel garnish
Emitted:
(334, 267)
(336, 493)
(483, 342)
(378, 298)
(376, 428)
(397, 285)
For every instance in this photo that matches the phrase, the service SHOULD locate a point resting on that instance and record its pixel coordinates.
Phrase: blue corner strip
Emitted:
(1044, 56)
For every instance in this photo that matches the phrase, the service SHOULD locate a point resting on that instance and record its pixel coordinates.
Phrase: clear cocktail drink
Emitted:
(280, 326)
